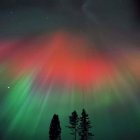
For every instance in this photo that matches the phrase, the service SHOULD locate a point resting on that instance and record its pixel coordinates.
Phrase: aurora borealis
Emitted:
(60, 56)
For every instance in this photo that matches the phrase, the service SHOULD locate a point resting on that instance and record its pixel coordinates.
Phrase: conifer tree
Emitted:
(55, 129)
(85, 126)
(73, 121)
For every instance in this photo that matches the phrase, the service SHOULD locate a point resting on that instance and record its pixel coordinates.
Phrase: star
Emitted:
(8, 87)
(47, 18)
(11, 12)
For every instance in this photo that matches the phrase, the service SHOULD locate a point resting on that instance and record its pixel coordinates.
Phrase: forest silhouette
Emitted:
(79, 126)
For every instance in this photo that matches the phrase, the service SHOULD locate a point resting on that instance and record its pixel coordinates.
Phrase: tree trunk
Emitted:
(75, 134)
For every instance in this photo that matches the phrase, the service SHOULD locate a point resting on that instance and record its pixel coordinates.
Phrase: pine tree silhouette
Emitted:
(73, 121)
(85, 126)
(55, 129)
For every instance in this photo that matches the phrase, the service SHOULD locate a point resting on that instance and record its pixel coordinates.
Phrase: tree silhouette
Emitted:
(73, 121)
(55, 129)
(85, 126)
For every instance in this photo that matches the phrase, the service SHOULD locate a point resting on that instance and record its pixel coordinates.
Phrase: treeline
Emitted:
(80, 127)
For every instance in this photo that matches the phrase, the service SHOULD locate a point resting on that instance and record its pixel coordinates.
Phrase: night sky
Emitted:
(57, 56)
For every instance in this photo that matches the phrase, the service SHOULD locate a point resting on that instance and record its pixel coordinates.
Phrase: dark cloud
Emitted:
(137, 9)
(14, 3)
(21, 17)
(42, 3)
